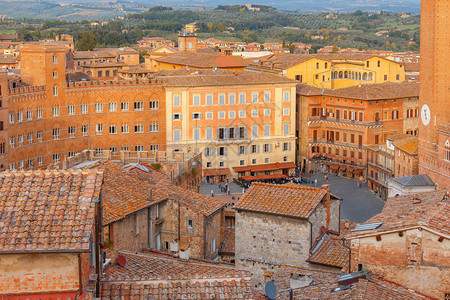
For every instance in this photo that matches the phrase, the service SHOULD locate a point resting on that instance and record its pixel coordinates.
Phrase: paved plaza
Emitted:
(359, 205)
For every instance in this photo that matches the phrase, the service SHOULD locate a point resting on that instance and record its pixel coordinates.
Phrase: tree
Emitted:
(86, 42)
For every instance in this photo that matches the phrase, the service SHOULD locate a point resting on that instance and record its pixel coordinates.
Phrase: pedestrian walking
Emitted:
(315, 182)
(212, 193)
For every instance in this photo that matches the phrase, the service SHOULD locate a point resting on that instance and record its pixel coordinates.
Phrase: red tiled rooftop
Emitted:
(49, 210)
(330, 251)
(291, 200)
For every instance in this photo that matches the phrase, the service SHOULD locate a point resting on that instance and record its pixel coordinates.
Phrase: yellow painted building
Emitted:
(241, 122)
(333, 71)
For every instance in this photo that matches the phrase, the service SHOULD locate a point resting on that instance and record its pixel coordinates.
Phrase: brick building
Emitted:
(407, 243)
(406, 157)
(50, 234)
(381, 163)
(53, 119)
(334, 127)
(278, 224)
(434, 130)
(156, 275)
(154, 42)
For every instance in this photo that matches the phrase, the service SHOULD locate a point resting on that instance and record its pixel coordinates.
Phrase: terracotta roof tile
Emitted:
(203, 60)
(47, 210)
(162, 276)
(428, 209)
(330, 251)
(124, 193)
(377, 91)
(408, 145)
(291, 200)
(227, 246)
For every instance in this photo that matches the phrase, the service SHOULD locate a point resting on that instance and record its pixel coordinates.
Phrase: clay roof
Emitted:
(124, 193)
(330, 251)
(182, 78)
(49, 210)
(227, 246)
(7, 59)
(429, 209)
(292, 200)
(161, 276)
(122, 50)
(202, 204)
(408, 145)
(377, 91)
(203, 60)
(91, 54)
(374, 288)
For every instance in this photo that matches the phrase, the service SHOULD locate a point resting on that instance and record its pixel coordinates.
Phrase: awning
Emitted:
(248, 178)
(350, 169)
(214, 172)
(342, 168)
(357, 171)
(334, 167)
(271, 176)
(264, 168)
(287, 165)
(241, 169)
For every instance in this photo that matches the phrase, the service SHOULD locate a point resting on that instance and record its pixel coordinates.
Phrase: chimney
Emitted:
(326, 203)
(150, 194)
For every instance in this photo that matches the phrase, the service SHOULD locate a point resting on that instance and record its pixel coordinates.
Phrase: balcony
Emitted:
(381, 167)
(344, 121)
(382, 183)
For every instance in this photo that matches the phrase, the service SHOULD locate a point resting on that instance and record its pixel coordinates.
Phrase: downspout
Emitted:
(150, 226)
(98, 236)
(204, 238)
(179, 223)
(310, 234)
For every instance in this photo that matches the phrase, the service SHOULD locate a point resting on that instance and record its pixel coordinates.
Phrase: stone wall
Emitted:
(38, 273)
(265, 241)
(417, 259)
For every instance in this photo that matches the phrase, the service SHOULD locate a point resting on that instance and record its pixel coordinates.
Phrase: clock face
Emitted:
(425, 114)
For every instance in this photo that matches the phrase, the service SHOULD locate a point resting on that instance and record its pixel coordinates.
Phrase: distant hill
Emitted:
(106, 9)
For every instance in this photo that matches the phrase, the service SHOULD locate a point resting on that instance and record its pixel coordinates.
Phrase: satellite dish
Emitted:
(271, 290)
(121, 260)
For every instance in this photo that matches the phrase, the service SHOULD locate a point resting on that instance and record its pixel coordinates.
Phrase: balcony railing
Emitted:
(382, 167)
(334, 142)
(343, 121)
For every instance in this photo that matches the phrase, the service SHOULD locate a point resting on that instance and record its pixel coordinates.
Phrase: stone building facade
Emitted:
(408, 243)
(277, 225)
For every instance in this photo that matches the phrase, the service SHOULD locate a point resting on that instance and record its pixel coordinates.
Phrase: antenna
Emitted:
(271, 290)
(121, 260)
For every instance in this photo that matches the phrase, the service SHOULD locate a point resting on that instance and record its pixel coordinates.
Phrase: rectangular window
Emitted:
(99, 128)
(125, 148)
(242, 150)
(112, 129)
(287, 96)
(29, 138)
(254, 131)
(20, 116)
(267, 112)
(209, 99)
(221, 133)
(39, 113)
(285, 111)
(242, 98)
(71, 131)
(138, 128)
(394, 114)
(139, 148)
(56, 157)
(196, 100)
(209, 151)
(84, 109)
(176, 135)
(98, 107)
(11, 118)
(222, 99)
(353, 115)
(55, 133)
(124, 106)
(254, 112)
(232, 99)
(209, 116)
(55, 91)
(40, 160)
(154, 127)
(209, 133)
(55, 111)
(12, 141)
(266, 130)
(196, 133)
(154, 105)
(222, 151)
(71, 110)
(213, 245)
(138, 106)
(29, 115)
(176, 117)
(242, 114)
(176, 100)
(55, 59)
(125, 128)
(255, 97)
(112, 106)
(221, 115)
(39, 135)
(266, 97)
(286, 129)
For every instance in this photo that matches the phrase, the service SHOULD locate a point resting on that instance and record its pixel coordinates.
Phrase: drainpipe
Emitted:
(204, 238)
(179, 223)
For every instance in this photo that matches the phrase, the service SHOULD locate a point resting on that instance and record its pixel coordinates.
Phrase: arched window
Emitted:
(370, 76)
(359, 75)
(345, 74)
(341, 75)
(364, 76)
(447, 150)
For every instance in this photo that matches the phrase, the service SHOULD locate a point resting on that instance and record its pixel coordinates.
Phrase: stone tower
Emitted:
(187, 42)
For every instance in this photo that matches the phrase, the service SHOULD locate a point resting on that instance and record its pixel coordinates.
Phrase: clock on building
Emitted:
(425, 114)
